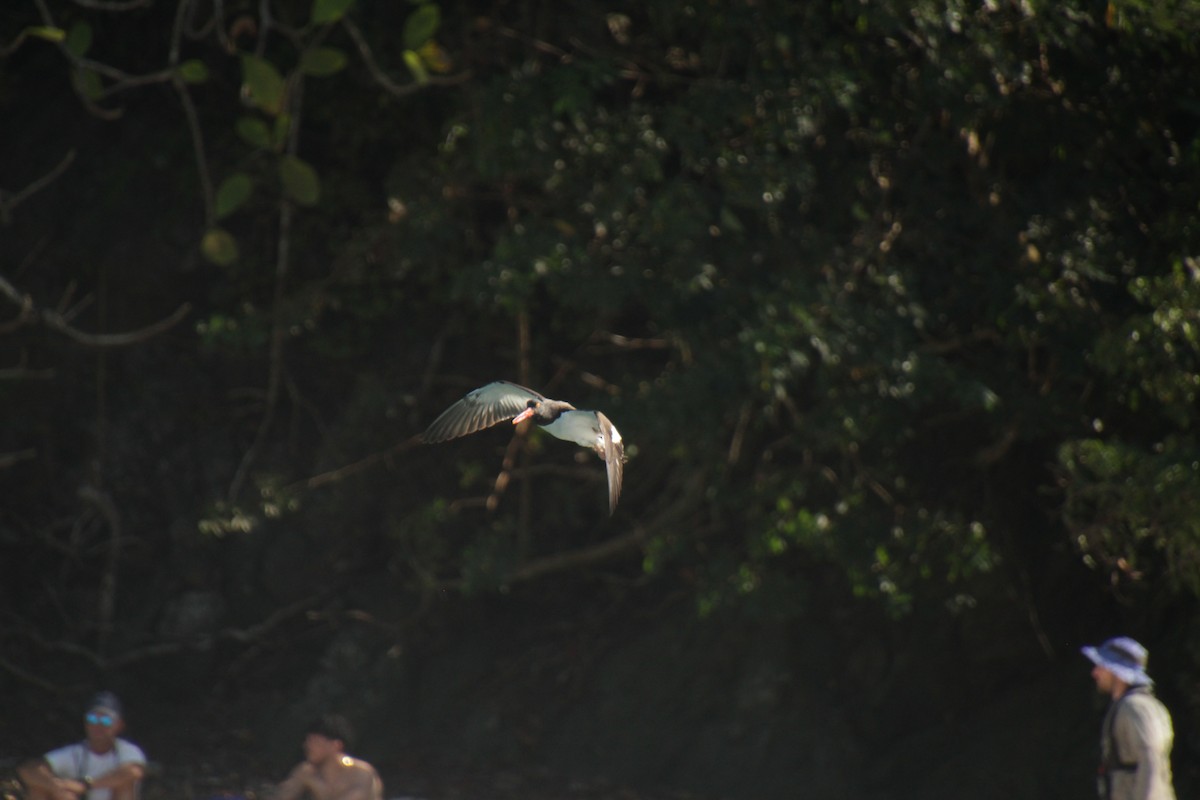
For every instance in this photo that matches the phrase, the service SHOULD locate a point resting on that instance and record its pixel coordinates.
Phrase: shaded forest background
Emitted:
(896, 305)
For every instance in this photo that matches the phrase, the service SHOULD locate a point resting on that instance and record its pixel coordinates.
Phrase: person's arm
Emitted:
(36, 774)
(295, 784)
(365, 785)
(120, 778)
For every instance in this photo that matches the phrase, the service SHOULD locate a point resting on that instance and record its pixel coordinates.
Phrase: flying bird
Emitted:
(501, 400)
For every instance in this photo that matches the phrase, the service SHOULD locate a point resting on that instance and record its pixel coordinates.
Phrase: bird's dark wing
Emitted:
(481, 408)
(612, 450)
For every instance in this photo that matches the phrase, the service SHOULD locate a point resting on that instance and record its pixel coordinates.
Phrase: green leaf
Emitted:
(263, 84)
(47, 33)
(219, 247)
(416, 66)
(88, 84)
(280, 133)
(324, 11)
(233, 194)
(434, 57)
(300, 181)
(421, 25)
(321, 62)
(254, 132)
(79, 39)
(194, 71)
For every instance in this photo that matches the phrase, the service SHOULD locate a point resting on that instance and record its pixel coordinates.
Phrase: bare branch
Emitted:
(9, 459)
(26, 676)
(193, 121)
(8, 49)
(341, 473)
(107, 601)
(113, 5)
(29, 312)
(248, 635)
(607, 550)
(278, 327)
(10, 201)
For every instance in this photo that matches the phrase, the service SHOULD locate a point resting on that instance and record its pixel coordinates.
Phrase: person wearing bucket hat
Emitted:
(1136, 735)
(101, 767)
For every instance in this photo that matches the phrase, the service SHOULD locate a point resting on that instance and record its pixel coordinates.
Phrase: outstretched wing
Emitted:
(481, 408)
(595, 431)
(612, 450)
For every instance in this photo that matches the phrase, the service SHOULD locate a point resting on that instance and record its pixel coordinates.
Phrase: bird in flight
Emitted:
(502, 400)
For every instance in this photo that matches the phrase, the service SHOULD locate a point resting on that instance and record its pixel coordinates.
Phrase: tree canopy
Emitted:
(902, 293)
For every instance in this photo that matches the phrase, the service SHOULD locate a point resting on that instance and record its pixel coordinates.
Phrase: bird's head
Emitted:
(531, 408)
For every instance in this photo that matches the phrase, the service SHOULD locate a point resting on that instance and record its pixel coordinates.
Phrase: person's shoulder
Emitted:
(66, 751)
(1141, 711)
(1141, 697)
(359, 765)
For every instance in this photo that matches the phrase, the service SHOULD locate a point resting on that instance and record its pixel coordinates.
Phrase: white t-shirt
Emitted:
(78, 761)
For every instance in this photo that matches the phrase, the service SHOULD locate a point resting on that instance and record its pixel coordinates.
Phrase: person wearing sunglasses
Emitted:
(101, 767)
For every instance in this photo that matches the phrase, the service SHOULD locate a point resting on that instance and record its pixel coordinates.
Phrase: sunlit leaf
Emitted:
(434, 57)
(46, 33)
(415, 66)
(321, 62)
(263, 84)
(254, 132)
(300, 181)
(219, 247)
(79, 40)
(421, 25)
(325, 11)
(233, 194)
(194, 71)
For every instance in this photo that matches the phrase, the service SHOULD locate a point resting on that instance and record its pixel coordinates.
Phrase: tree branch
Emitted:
(8, 201)
(113, 5)
(9, 459)
(381, 77)
(30, 312)
(278, 327)
(107, 601)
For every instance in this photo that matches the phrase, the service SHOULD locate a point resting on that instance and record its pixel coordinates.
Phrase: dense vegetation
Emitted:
(898, 298)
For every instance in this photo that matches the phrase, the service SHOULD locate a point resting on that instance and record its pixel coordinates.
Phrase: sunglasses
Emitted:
(100, 719)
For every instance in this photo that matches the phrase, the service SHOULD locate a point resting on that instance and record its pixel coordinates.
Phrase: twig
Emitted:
(10, 201)
(381, 77)
(26, 676)
(9, 459)
(107, 601)
(278, 326)
(341, 473)
(61, 322)
(193, 121)
(113, 5)
(248, 635)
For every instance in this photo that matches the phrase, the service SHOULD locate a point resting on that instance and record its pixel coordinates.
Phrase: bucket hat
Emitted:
(1124, 658)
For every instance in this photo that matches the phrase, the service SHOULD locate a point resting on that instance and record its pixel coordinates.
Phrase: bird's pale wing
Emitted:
(481, 408)
(593, 430)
